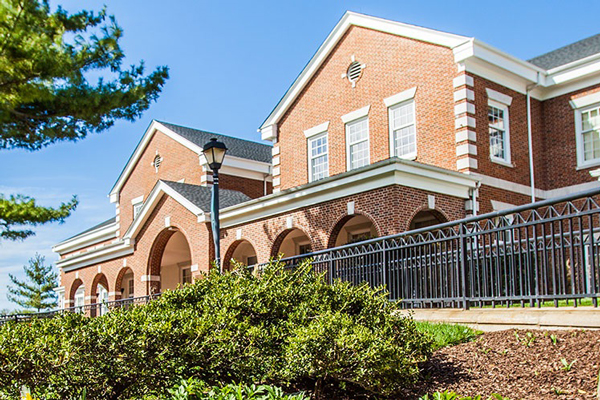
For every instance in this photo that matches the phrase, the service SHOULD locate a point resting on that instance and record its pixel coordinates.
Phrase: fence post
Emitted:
(384, 269)
(463, 264)
(330, 269)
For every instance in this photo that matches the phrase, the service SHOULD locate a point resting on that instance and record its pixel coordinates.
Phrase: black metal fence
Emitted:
(542, 252)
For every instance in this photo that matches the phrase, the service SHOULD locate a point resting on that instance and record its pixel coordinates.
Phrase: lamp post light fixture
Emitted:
(214, 152)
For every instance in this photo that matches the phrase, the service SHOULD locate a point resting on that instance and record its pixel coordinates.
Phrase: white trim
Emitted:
(465, 163)
(115, 250)
(391, 128)
(101, 234)
(398, 98)
(579, 145)
(276, 160)
(465, 121)
(464, 108)
(499, 97)
(506, 160)
(155, 195)
(138, 199)
(268, 132)
(348, 144)
(462, 80)
(275, 151)
(276, 171)
(463, 135)
(150, 278)
(384, 173)
(466, 148)
(315, 130)
(595, 173)
(276, 181)
(310, 158)
(463, 94)
(353, 19)
(356, 114)
(501, 206)
(585, 101)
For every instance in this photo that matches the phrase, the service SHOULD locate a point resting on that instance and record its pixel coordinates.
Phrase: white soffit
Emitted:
(365, 21)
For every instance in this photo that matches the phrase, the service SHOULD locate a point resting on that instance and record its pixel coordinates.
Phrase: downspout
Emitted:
(530, 138)
(474, 194)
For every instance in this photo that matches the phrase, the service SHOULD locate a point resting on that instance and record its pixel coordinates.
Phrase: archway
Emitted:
(100, 291)
(171, 260)
(125, 284)
(425, 218)
(241, 251)
(291, 242)
(77, 295)
(352, 229)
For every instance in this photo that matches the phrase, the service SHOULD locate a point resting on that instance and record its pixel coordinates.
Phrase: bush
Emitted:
(193, 389)
(291, 329)
(453, 396)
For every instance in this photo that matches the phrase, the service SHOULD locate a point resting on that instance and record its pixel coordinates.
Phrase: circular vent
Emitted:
(354, 71)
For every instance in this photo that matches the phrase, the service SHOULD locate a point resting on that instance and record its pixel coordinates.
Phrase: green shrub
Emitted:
(291, 329)
(193, 389)
(453, 396)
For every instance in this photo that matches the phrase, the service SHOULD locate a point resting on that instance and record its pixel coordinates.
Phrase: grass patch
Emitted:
(584, 302)
(447, 334)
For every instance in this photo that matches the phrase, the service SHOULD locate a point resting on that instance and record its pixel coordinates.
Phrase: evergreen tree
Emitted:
(46, 59)
(37, 291)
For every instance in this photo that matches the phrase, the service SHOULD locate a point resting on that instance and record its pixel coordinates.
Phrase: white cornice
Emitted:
(87, 239)
(118, 249)
(389, 172)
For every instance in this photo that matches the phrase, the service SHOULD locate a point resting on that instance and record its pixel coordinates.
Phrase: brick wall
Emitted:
(390, 209)
(250, 187)
(393, 64)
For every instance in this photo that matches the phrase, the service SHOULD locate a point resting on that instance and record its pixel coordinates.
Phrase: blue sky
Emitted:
(230, 62)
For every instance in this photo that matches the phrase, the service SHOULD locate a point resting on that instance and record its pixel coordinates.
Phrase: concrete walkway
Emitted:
(493, 319)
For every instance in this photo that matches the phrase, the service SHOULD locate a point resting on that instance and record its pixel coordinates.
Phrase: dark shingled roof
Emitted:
(93, 228)
(572, 52)
(200, 195)
(236, 147)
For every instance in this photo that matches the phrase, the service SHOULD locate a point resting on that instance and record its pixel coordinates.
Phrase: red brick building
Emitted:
(389, 127)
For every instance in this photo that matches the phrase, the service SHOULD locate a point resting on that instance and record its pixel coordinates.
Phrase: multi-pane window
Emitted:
(318, 159)
(590, 134)
(304, 249)
(357, 139)
(130, 288)
(186, 275)
(403, 131)
(499, 134)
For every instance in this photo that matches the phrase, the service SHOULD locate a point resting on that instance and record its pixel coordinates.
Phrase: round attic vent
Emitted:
(354, 71)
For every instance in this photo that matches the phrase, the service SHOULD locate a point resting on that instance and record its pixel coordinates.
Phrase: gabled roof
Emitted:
(569, 53)
(200, 196)
(235, 147)
(108, 222)
(255, 155)
(366, 21)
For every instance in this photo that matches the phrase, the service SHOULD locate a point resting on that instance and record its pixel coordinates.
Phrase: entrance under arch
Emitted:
(242, 252)
(426, 218)
(292, 242)
(126, 287)
(352, 229)
(176, 262)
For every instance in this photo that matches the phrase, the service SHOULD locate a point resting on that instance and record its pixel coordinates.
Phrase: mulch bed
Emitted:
(517, 364)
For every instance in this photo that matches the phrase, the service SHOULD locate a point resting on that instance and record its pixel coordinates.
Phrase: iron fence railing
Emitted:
(527, 255)
(92, 310)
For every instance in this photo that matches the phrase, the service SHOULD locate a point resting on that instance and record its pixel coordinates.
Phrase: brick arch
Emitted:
(99, 279)
(74, 286)
(337, 226)
(119, 280)
(437, 213)
(231, 249)
(281, 237)
(156, 253)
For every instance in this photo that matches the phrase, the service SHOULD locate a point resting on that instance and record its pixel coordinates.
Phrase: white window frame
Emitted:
(312, 135)
(506, 161)
(581, 162)
(408, 156)
(137, 204)
(348, 144)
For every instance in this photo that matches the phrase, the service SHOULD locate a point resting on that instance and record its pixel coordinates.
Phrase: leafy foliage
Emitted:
(288, 328)
(453, 396)
(37, 292)
(193, 389)
(21, 210)
(45, 59)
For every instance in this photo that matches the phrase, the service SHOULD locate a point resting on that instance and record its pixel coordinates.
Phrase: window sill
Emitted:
(587, 165)
(502, 162)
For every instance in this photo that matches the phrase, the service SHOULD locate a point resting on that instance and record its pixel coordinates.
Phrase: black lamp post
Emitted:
(214, 152)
